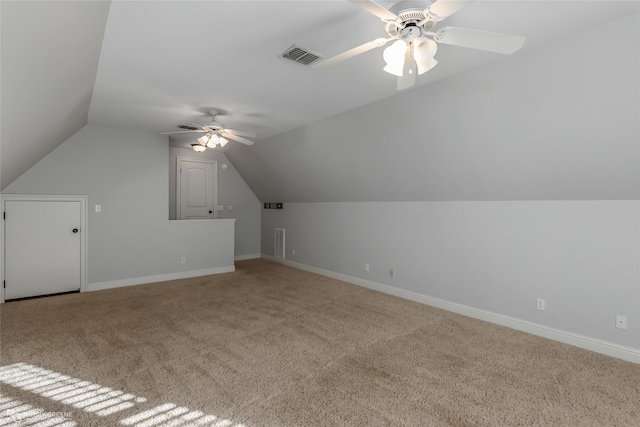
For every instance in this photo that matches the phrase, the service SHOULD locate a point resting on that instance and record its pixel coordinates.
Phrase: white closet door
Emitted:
(42, 247)
(197, 189)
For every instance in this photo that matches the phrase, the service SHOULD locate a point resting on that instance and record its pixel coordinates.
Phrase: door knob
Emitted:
(210, 211)
(75, 230)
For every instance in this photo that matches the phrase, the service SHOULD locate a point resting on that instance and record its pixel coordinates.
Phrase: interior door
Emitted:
(42, 247)
(197, 189)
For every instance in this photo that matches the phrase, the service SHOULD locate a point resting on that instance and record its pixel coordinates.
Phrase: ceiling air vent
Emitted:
(188, 127)
(300, 55)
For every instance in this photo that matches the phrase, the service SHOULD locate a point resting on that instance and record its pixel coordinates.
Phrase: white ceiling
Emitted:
(167, 62)
(163, 63)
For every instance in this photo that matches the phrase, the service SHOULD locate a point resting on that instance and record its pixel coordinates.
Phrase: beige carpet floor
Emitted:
(269, 345)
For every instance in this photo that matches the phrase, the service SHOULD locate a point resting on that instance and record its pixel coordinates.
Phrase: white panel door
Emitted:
(42, 247)
(197, 189)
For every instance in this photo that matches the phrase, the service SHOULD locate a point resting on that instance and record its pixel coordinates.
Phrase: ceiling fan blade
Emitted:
(377, 10)
(483, 40)
(351, 53)
(236, 138)
(440, 9)
(184, 131)
(240, 132)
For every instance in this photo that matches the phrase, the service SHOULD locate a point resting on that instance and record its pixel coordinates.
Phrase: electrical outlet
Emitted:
(621, 322)
(391, 272)
(293, 252)
(183, 260)
(366, 267)
(540, 304)
(98, 208)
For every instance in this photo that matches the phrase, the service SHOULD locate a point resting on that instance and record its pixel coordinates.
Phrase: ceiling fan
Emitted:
(215, 134)
(413, 51)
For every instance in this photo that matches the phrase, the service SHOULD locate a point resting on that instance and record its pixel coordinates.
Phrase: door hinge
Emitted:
(4, 284)
(4, 215)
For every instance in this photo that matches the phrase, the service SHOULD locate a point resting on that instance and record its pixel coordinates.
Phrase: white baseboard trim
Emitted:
(599, 346)
(248, 256)
(159, 278)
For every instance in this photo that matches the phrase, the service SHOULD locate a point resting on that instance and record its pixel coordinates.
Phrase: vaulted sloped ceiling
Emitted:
(557, 123)
(556, 120)
(50, 53)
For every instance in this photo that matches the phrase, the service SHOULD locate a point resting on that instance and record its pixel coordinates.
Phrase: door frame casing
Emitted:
(213, 162)
(49, 198)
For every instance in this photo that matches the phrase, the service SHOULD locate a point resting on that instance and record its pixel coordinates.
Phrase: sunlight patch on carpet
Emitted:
(13, 412)
(90, 398)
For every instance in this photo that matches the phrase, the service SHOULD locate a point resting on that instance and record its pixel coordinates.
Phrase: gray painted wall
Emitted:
(50, 54)
(127, 173)
(490, 189)
(232, 191)
(582, 257)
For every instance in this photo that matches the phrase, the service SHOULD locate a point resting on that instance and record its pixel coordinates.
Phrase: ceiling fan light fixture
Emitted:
(213, 131)
(198, 148)
(394, 57)
(424, 50)
(213, 141)
(425, 66)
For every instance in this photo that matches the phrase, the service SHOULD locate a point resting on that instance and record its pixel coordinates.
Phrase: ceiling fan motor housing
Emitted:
(214, 125)
(410, 32)
(410, 26)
